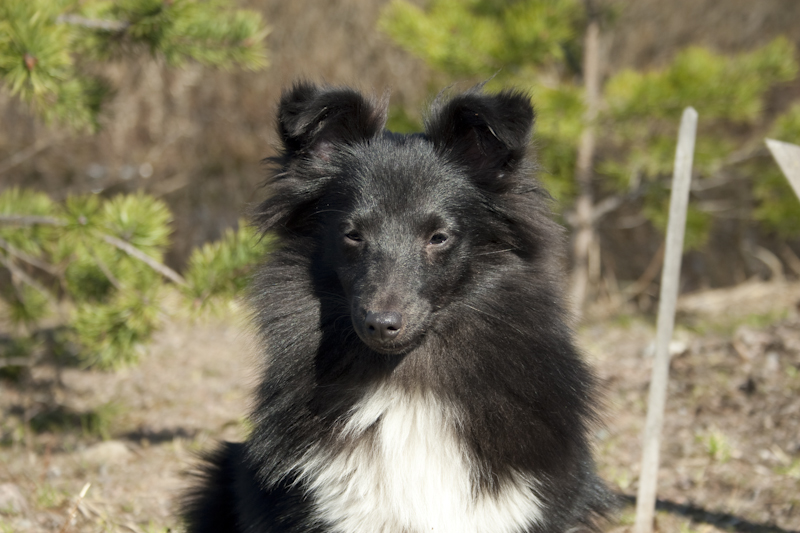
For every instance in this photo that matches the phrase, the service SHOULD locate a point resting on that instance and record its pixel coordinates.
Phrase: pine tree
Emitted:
(536, 45)
(98, 263)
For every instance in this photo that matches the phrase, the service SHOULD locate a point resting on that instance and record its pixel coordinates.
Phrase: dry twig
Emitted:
(74, 509)
(131, 250)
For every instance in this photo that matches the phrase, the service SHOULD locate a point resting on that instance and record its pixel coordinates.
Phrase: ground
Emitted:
(730, 452)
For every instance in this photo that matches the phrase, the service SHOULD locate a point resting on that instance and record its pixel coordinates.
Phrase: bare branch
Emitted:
(5, 245)
(25, 154)
(16, 361)
(94, 24)
(146, 259)
(604, 207)
(772, 262)
(745, 154)
(650, 273)
(17, 272)
(598, 210)
(791, 259)
(106, 271)
(30, 220)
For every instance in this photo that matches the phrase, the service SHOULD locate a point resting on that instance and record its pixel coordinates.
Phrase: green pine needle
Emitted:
(45, 43)
(220, 270)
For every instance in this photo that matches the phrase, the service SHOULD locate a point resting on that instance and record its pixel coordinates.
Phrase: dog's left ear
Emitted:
(313, 122)
(487, 134)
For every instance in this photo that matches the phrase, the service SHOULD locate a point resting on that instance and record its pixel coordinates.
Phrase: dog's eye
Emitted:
(438, 238)
(353, 236)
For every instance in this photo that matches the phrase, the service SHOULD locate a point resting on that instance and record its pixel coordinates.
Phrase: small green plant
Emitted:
(96, 423)
(627, 517)
(792, 470)
(99, 422)
(49, 497)
(246, 426)
(717, 445)
(622, 478)
(727, 324)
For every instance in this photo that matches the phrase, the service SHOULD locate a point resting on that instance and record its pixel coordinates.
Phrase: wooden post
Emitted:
(788, 157)
(670, 278)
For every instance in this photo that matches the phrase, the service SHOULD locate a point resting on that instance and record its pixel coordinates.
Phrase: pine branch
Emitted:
(146, 259)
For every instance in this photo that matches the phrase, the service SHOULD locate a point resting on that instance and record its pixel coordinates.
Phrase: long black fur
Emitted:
(360, 214)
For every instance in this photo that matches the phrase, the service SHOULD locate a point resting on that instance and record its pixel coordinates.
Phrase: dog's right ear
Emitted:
(313, 120)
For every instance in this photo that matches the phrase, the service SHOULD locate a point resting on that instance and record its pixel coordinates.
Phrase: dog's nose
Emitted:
(384, 325)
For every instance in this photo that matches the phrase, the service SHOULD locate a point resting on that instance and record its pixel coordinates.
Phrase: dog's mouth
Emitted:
(386, 332)
(394, 348)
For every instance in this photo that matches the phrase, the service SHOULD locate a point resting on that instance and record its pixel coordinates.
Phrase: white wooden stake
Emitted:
(788, 157)
(670, 278)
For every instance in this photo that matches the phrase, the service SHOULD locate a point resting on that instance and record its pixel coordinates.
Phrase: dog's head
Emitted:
(404, 226)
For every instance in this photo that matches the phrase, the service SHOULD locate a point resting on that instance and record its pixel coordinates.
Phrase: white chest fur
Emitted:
(410, 474)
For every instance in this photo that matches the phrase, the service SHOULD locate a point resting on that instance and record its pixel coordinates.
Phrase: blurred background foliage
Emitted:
(142, 123)
(536, 45)
(743, 91)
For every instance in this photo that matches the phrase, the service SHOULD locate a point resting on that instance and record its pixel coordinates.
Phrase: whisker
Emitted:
(332, 295)
(330, 211)
(336, 321)
(497, 251)
(494, 317)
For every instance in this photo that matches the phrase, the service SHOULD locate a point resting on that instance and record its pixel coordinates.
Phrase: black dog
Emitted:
(421, 374)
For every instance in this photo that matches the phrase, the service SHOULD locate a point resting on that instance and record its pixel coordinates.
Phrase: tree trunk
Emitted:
(584, 232)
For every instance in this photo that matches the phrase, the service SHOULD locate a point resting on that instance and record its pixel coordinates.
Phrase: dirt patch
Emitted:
(730, 456)
(191, 387)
